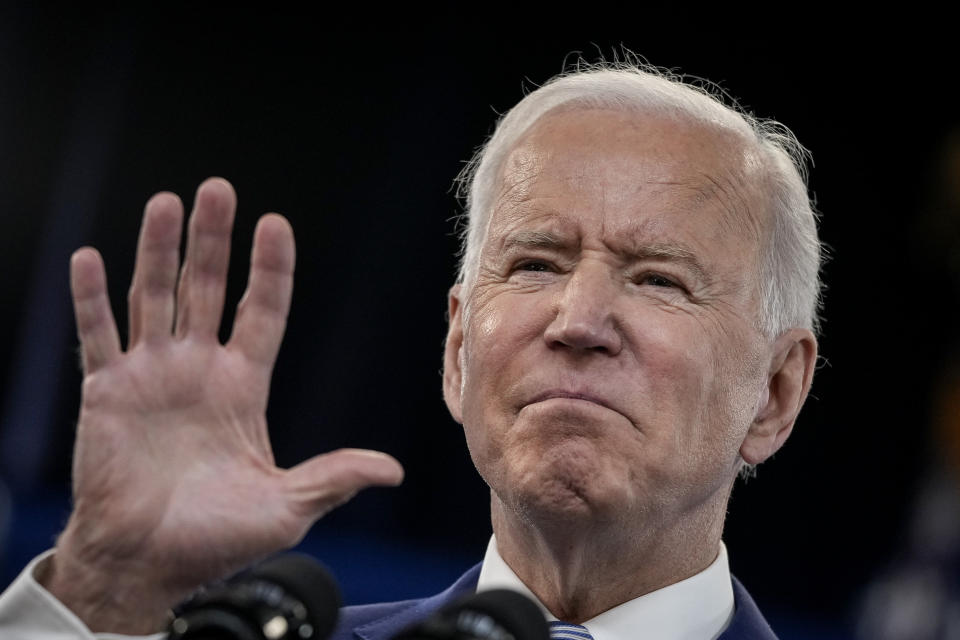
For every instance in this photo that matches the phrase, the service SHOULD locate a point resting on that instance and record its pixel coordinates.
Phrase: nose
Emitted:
(585, 319)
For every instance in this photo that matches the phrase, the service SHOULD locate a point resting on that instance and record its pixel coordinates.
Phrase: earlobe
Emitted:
(788, 382)
(452, 373)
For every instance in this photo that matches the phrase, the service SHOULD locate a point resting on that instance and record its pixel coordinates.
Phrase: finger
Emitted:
(262, 313)
(151, 300)
(203, 280)
(328, 480)
(96, 328)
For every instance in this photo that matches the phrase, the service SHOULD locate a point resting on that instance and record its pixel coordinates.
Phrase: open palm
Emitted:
(174, 479)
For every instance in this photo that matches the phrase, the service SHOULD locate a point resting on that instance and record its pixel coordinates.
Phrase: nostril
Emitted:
(600, 336)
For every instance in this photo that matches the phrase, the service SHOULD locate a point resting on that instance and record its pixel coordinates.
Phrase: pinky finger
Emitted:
(96, 328)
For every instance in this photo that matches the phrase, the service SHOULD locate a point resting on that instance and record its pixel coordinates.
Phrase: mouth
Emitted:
(568, 395)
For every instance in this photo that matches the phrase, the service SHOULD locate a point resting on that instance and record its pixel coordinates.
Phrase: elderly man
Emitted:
(632, 327)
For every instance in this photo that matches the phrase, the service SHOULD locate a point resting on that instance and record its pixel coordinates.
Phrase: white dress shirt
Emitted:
(30, 612)
(698, 608)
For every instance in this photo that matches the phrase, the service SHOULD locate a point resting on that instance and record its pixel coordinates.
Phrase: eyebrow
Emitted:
(672, 253)
(667, 251)
(533, 240)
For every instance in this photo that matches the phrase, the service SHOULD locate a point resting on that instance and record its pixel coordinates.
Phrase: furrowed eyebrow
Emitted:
(533, 240)
(667, 252)
(670, 253)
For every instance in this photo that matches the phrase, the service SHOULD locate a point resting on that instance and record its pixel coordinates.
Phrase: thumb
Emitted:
(324, 482)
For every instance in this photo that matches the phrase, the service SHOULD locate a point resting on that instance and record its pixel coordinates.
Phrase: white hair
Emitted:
(790, 265)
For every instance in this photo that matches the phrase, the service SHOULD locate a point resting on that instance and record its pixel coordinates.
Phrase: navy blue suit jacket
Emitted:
(383, 621)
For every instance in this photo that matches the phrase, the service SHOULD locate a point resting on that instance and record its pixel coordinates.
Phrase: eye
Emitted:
(657, 280)
(534, 265)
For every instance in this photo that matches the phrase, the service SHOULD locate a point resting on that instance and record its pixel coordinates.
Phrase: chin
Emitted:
(567, 493)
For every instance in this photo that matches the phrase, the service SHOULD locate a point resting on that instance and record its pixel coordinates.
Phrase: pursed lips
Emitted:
(585, 396)
(571, 395)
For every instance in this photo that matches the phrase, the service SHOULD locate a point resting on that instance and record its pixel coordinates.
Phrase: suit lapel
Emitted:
(389, 625)
(747, 623)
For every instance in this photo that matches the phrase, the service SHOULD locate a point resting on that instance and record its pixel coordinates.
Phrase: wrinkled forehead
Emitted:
(703, 160)
(638, 184)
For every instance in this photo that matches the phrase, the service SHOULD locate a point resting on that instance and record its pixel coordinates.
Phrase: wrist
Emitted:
(107, 595)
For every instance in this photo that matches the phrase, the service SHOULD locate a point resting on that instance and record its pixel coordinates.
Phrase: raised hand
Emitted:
(174, 479)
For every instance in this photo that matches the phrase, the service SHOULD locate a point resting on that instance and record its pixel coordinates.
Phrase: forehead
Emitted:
(626, 170)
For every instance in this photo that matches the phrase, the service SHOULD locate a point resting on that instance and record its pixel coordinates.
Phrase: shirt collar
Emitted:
(697, 608)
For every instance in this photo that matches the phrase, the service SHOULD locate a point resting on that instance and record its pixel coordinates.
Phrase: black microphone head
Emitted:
(498, 614)
(310, 582)
(513, 611)
(289, 596)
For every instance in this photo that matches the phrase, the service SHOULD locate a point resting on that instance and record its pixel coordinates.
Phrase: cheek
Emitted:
(497, 334)
(697, 398)
(680, 367)
(737, 381)
(742, 366)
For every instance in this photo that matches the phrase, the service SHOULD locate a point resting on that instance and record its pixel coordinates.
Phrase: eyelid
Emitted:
(675, 281)
(670, 281)
(518, 259)
(520, 264)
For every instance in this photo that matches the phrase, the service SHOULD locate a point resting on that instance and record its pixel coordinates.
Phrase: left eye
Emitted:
(657, 280)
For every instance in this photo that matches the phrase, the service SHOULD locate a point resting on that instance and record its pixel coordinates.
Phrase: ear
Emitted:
(452, 373)
(794, 355)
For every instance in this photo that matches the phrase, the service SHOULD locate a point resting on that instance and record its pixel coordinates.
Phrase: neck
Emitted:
(580, 570)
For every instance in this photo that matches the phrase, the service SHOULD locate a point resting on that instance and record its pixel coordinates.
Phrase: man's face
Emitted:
(610, 362)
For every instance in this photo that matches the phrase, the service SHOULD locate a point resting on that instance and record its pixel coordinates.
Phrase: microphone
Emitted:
(498, 614)
(287, 597)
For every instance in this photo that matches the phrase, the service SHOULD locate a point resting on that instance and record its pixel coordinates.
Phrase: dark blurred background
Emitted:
(354, 131)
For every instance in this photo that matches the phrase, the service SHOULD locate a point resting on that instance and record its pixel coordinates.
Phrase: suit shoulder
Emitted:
(385, 619)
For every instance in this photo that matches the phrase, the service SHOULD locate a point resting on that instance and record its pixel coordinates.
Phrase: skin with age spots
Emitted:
(607, 362)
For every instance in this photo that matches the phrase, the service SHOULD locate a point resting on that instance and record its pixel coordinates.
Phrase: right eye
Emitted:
(533, 265)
